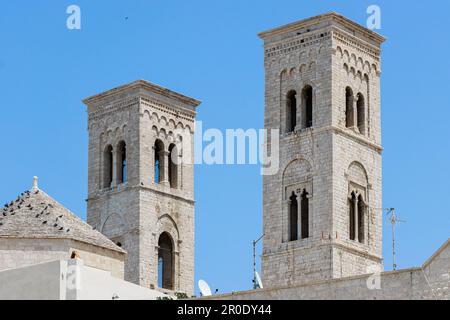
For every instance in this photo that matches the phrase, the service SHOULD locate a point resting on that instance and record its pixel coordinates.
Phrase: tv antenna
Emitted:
(393, 218)
(205, 290)
(256, 278)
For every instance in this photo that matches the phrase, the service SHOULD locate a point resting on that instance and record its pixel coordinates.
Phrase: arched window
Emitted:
(357, 209)
(159, 161)
(293, 218)
(173, 166)
(352, 211)
(361, 214)
(305, 215)
(165, 262)
(291, 111)
(108, 167)
(160, 271)
(121, 162)
(361, 111)
(349, 115)
(307, 107)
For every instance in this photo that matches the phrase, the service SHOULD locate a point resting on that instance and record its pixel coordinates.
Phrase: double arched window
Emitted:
(355, 115)
(306, 109)
(114, 174)
(357, 210)
(294, 214)
(166, 164)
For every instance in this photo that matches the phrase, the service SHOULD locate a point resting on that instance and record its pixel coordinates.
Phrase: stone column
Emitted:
(178, 276)
(164, 173)
(299, 114)
(299, 216)
(286, 225)
(355, 113)
(114, 167)
(356, 219)
(310, 212)
(180, 170)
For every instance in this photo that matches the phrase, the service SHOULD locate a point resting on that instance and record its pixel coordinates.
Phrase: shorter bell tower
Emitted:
(141, 181)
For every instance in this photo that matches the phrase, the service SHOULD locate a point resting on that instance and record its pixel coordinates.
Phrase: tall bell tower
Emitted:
(141, 181)
(322, 210)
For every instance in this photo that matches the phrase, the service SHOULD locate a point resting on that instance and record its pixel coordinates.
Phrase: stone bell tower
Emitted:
(141, 181)
(322, 211)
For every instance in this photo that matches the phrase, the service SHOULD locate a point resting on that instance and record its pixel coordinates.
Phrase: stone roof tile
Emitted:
(34, 214)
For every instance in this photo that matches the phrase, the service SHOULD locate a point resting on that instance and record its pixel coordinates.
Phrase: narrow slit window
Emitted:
(291, 112)
(121, 163)
(352, 211)
(361, 214)
(361, 111)
(108, 167)
(307, 104)
(293, 218)
(158, 162)
(173, 166)
(349, 108)
(305, 215)
(165, 262)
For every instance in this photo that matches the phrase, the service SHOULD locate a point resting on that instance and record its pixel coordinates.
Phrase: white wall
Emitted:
(39, 282)
(21, 252)
(100, 285)
(71, 280)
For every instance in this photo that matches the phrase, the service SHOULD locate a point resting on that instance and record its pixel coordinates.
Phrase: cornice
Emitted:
(357, 251)
(142, 84)
(356, 43)
(100, 194)
(334, 129)
(145, 100)
(332, 17)
(185, 114)
(113, 108)
(295, 44)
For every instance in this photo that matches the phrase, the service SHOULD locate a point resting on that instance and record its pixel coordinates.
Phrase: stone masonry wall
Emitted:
(306, 259)
(165, 208)
(356, 67)
(429, 282)
(402, 285)
(19, 253)
(323, 157)
(138, 211)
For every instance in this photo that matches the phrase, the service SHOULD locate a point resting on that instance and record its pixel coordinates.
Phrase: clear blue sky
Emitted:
(209, 50)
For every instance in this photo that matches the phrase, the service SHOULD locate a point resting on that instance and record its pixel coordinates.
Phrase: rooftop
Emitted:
(35, 215)
(143, 84)
(331, 16)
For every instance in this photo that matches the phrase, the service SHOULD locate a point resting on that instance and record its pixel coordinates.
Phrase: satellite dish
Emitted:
(205, 290)
(258, 279)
